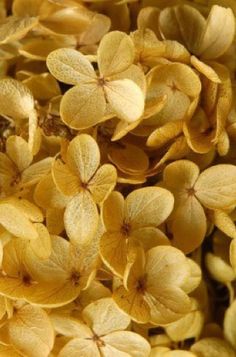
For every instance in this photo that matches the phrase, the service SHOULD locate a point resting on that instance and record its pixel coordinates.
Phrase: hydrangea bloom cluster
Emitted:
(117, 178)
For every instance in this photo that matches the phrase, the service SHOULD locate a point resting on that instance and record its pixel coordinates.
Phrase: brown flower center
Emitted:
(125, 229)
(191, 191)
(141, 285)
(75, 278)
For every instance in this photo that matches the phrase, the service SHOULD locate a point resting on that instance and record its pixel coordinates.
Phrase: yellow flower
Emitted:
(212, 189)
(86, 103)
(152, 291)
(100, 333)
(131, 221)
(88, 184)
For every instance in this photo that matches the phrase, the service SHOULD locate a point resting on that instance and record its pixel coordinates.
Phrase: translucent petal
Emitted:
(83, 157)
(81, 218)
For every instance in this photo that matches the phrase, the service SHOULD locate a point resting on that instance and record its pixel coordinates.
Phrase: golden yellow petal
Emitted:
(133, 303)
(113, 211)
(189, 225)
(212, 347)
(15, 28)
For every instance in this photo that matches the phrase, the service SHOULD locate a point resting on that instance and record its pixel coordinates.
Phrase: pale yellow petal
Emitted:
(18, 150)
(104, 317)
(125, 98)
(83, 157)
(36, 171)
(115, 53)
(103, 182)
(212, 347)
(31, 332)
(15, 28)
(70, 66)
(149, 206)
(78, 345)
(216, 189)
(128, 342)
(113, 211)
(66, 181)
(81, 218)
(219, 33)
(83, 106)
(16, 222)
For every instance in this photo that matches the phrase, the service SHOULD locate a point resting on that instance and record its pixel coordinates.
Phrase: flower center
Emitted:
(75, 278)
(98, 341)
(125, 229)
(141, 285)
(191, 191)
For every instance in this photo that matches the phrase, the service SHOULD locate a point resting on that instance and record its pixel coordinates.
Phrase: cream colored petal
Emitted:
(115, 53)
(166, 264)
(83, 157)
(212, 347)
(129, 342)
(215, 189)
(189, 225)
(16, 222)
(70, 66)
(189, 326)
(194, 279)
(16, 99)
(31, 332)
(148, 18)
(149, 206)
(133, 303)
(219, 33)
(83, 106)
(78, 345)
(232, 254)
(66, 182)
(150, 237)
(103, 182)
(36, 171)
(218, 269)
(69, 326)
(81, 218)
(223, 221)
(104, 317)
(18, 150)
(98, 27)
(125, 98)
(113, 211)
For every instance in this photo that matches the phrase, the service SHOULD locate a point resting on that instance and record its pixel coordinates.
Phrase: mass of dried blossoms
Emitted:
(117, 178)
